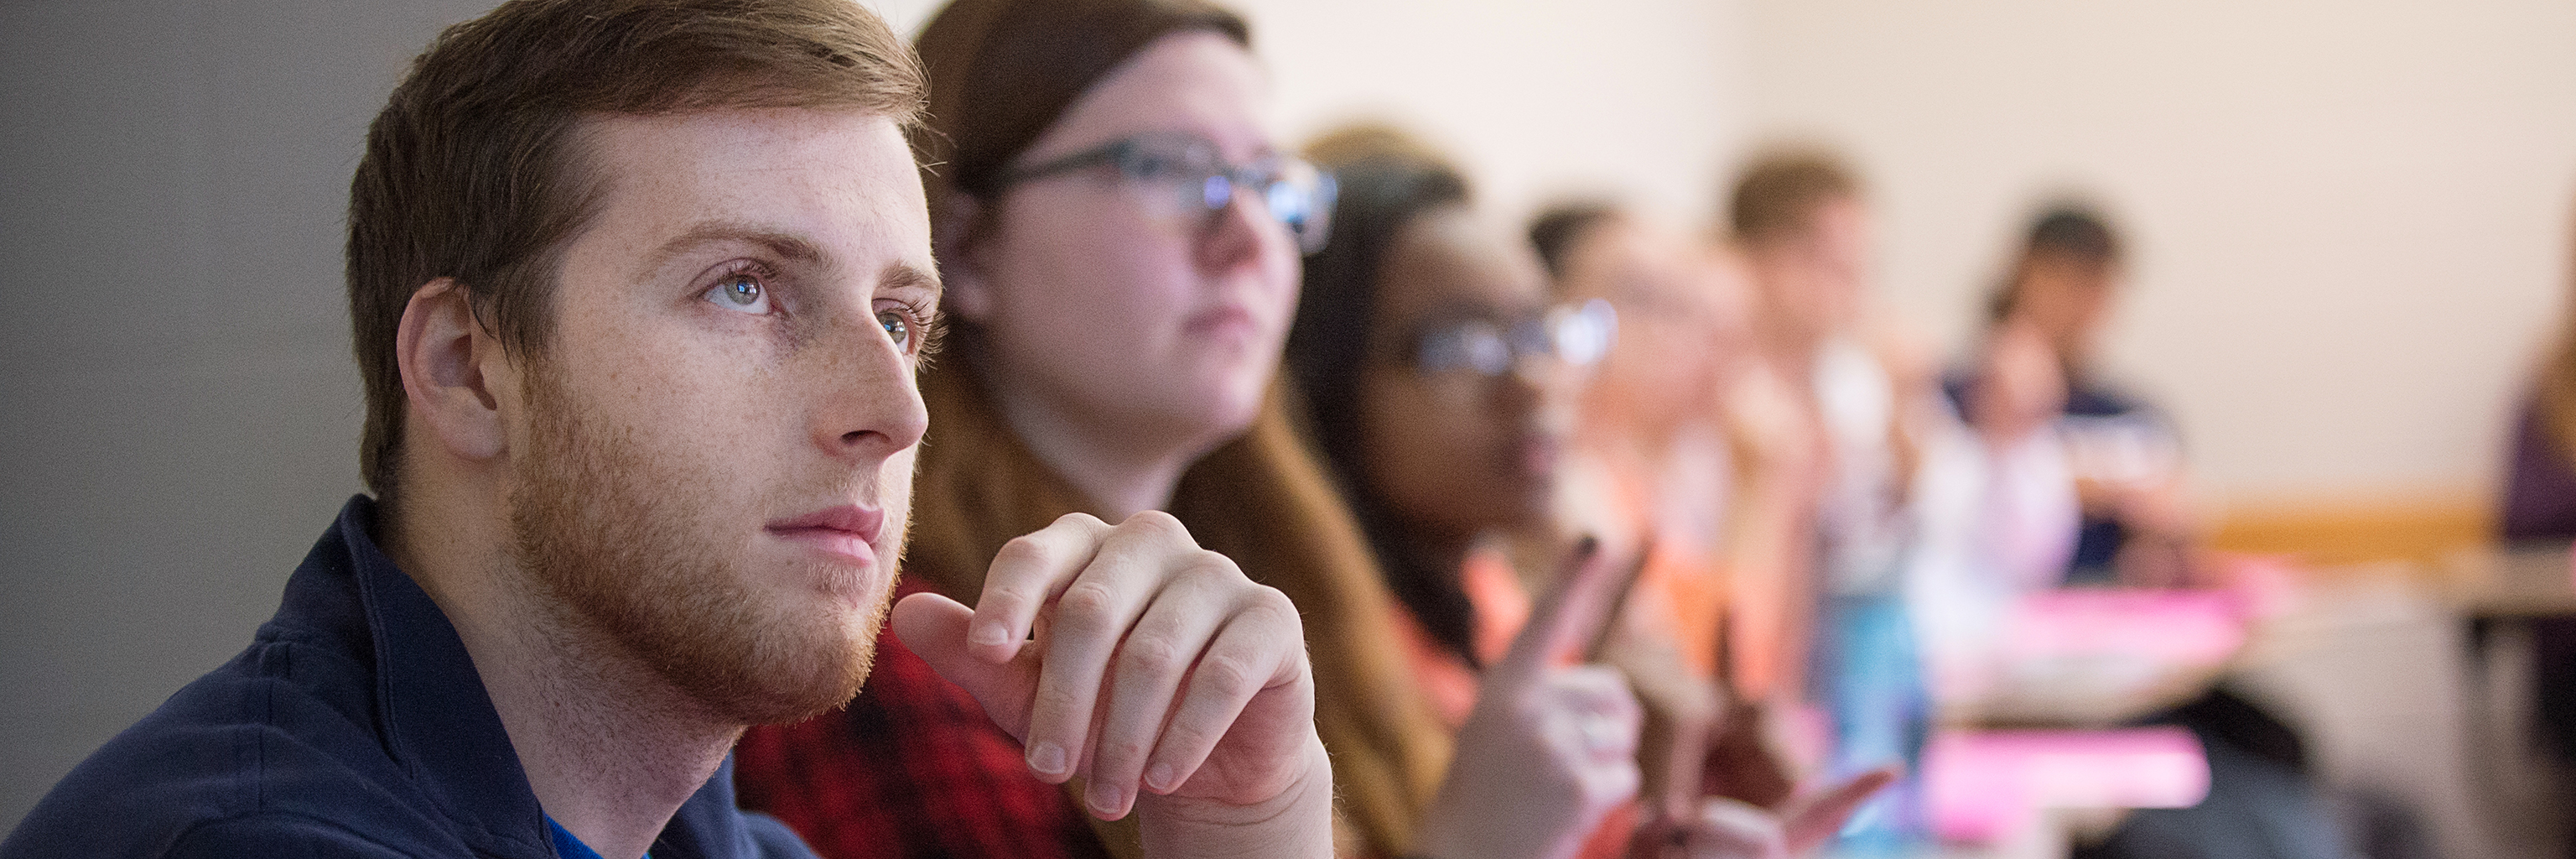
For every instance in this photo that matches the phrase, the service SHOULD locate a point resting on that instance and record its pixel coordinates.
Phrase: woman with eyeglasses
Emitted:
(1438, 386)
(1119, 238)
(1441, 385)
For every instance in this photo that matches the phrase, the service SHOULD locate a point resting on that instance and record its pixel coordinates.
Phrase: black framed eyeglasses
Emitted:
(1579, 335)
(1184, 177)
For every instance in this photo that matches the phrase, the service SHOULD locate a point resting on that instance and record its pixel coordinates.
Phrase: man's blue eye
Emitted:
(739, 292)
(896, 327)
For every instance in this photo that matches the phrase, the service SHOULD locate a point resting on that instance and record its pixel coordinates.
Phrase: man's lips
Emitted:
(848, 530)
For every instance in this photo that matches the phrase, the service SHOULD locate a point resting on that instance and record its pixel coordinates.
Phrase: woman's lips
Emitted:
(849, 531)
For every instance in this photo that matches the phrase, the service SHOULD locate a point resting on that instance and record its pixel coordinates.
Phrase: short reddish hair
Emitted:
(472, 171)
(1779, 192)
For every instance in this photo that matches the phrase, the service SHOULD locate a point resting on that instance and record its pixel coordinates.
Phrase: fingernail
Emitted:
(1047, 758)
(1108, 799)
(1159, 778)
(989, 633)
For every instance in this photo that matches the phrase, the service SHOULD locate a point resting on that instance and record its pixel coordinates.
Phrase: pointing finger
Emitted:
(1572, 614)
(1809, 822)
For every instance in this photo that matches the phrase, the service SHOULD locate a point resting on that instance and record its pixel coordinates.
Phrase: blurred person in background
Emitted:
(2540, 491)
(1120, 237)
(1441, 387)
(1688, 451)
(2124, 453)
(2036, 387)
(1864, 395)
(2539, 509)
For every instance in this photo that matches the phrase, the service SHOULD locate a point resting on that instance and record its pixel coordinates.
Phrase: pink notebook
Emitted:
(1986, 786)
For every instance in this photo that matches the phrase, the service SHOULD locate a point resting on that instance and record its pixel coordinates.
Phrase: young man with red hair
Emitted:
(639, 292)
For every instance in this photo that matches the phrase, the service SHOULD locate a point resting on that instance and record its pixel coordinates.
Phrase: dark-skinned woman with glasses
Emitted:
(1440, 384)
(1119, 237)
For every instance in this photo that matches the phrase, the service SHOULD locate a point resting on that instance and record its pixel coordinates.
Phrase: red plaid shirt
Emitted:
(913, 769)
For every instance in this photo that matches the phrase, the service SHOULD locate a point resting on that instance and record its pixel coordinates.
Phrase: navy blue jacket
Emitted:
(354, 725)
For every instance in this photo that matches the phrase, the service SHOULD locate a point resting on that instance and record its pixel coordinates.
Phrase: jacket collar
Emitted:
(439, 725)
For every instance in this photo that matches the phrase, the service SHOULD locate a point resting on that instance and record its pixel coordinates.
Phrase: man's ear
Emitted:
(964, 292)
(449, 367)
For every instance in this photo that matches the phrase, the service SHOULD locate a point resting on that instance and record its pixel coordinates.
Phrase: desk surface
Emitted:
(2513, 582)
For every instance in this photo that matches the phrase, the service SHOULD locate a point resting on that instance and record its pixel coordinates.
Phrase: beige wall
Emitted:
(1638, 98)
(2351, 218)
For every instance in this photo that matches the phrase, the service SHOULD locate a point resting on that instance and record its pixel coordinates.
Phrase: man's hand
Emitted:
(1141, 663)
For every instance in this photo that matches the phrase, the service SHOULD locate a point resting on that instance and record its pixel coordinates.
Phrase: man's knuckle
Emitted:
(1086, 604)
(1024, 550)
(1053, 698)
(1229, 674)
(1213, 567)
(1118, 752)
(1151, 654)
(1275, 605)
(1156, 524)
(1187, 733)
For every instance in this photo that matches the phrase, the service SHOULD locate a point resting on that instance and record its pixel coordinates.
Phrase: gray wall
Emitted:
(178, 411)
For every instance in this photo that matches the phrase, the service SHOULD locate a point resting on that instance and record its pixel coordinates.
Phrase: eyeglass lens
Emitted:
(1577, 335)
(1292, 193)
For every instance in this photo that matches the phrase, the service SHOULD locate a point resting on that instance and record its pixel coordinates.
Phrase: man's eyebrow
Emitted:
(787, 246)
(901, 275)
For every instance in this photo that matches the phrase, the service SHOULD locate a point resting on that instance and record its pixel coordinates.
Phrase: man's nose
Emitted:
(871, 404)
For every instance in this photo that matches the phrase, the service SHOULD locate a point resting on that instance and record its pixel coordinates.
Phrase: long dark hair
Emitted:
(1387, 181)
(2063, 230)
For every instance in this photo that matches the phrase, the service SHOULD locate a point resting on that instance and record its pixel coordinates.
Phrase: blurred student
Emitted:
(1120, 238)
(2124, 453)
(1688, 451)
(2540, 508)
(639, 291)
(2540, 492)
(2037, 376)
(1864, 395)
(1442, 386)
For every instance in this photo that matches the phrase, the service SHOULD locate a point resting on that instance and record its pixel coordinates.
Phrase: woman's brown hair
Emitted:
(1002, 72)
(1388, 180)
